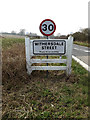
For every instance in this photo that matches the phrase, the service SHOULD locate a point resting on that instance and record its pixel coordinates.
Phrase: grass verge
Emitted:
(38, 97)
(82, 43)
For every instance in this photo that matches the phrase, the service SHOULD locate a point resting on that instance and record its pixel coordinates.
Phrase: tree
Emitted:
(84, 31)
(13, 32)
(81, 36)
(22, 32)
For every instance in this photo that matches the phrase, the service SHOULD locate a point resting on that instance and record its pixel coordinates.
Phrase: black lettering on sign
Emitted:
(50, 27)
(48, 43)
(51, 43)
(44, 43)
(55, 47)
(52, 47)
(47, 47)
(42, 47)
(44, 27)
(36, 43)
(62, 43)
(57, 43)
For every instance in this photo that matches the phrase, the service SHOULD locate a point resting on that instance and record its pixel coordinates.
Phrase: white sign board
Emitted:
(49, 47)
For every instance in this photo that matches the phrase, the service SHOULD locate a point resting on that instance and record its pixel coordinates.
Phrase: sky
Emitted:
(69, 15)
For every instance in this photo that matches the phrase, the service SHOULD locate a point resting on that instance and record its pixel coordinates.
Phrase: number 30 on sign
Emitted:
(47, 27)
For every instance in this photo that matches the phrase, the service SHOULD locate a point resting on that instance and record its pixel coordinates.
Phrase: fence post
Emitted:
(28, 55)
(69, 54)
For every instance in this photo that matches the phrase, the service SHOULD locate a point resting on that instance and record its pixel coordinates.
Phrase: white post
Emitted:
(28, 55)
(69, 54)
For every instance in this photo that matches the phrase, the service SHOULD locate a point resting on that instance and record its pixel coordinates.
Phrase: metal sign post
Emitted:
(47, 63)
(47, 28)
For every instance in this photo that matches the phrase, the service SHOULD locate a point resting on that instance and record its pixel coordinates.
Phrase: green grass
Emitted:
(36, 96)
(82, 43)
(8, 42)
(80, 72)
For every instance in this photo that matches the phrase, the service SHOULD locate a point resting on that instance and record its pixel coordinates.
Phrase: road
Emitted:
(82, 53)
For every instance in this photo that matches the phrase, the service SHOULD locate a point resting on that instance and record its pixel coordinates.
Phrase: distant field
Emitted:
(8, 42)
(12, 36)
(38, 97)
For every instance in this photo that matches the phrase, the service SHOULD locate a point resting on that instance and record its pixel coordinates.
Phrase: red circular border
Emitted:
(41, 25)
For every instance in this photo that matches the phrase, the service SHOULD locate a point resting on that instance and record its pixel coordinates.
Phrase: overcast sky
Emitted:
(68, 15)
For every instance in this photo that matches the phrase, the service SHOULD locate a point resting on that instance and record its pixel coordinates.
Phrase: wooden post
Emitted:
(28, 55)
(69, 54)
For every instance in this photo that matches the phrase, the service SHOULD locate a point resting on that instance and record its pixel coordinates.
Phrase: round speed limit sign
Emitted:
(47, 27)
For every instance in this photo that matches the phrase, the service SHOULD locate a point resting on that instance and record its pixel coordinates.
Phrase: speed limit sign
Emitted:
(47, 27)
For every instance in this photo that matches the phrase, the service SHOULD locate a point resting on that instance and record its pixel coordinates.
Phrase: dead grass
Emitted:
(36, 96)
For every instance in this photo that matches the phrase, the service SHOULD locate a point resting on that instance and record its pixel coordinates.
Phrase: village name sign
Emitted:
(49, 47)
(45, 47)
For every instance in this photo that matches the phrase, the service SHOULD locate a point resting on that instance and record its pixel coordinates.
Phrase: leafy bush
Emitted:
(81, 36)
